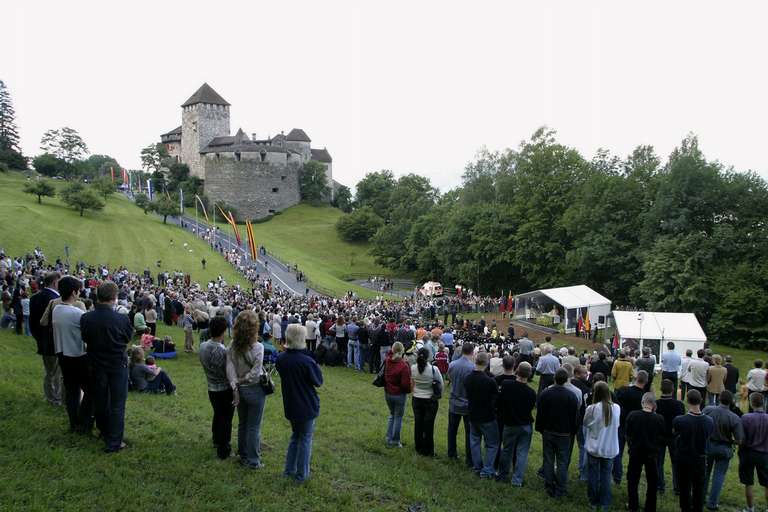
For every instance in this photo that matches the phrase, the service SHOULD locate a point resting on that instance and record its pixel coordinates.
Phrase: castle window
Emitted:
(271, 211)
(237, 156)
(275, 189)
(282, 178)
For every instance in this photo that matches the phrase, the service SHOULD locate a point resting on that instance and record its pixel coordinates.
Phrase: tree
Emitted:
(64, 143)
(81, 198)
(359, 226)
(313, 182)
(374, 191)
(10, 152)
(152, 157)
(165, 207)
(343, 199)
(99, 165)
(40, 188)
(142, 201)
(51, 166)
(104, 186)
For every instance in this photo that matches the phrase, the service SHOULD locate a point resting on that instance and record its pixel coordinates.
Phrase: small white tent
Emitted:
(649, 328)
(569, 301)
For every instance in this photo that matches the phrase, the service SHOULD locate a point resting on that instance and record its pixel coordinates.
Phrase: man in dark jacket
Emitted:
(670, 408)
(52, 382)
(629, 399)
(106, 334)
(645, 432)
(481, 395)
(557, 421)
(692, 432)
(731, 376)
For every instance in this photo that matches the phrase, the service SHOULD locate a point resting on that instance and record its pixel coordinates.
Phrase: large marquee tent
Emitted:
(568, 303)
(654, 329)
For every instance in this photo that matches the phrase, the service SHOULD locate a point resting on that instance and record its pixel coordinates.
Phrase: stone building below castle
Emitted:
(258, 177)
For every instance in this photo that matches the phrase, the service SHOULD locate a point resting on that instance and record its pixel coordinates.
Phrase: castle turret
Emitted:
(204, 116)
(299, 141)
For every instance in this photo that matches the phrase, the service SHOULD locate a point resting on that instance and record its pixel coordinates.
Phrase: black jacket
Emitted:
(557, 411)
(43, 335)
(106, 334)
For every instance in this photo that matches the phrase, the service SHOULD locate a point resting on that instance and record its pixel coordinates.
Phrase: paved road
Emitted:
(281, 275)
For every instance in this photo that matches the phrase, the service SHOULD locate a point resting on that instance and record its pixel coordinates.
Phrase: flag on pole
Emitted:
(616, 340)
(231, 220)
(587, 325)
(510, 302)
(149, 189)
(112, 173)
(205, 214)
(251, 242)
(125, 177)
(181, 200)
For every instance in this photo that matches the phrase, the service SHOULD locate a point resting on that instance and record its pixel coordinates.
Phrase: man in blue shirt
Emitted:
(547, 366)
(353, 347)
(458, 404)
(670, 365)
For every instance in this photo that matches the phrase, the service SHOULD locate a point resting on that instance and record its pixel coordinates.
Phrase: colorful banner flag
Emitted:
(112, 173)
(251, 242)
(149, 189)
(510, 302)
(231, 220)
(205, 214)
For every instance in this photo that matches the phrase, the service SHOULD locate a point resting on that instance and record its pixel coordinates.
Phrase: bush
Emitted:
(4, 167)
(359, 225)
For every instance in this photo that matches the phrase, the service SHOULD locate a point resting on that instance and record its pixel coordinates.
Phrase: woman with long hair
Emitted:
(245, 359)
(601, 422)
(424, 402)
(397, 385)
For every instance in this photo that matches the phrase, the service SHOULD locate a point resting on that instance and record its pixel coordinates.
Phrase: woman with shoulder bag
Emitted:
(427, 386)
(397, 385)
(245, 370)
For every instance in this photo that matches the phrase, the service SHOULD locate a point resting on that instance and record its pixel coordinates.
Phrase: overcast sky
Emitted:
(407, 86)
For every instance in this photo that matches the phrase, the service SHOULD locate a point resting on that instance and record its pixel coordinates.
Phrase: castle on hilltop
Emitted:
(257, 177)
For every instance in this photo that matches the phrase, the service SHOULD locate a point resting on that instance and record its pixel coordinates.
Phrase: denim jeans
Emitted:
(353, 354)
(555, 448)
(250, 411)
(667, 444)
(27, 332)
(488, 432)
(580, 438)
(517, 444)
(618, 467)
(383, 353)
(717, 468)
(162, 382)
(713, 399)
(396, 404)
(299, 450)
(454, 420)
(110, 390)
(599, 481)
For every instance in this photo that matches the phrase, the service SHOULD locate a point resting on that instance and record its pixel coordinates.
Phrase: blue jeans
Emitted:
(162, 382)
(383, 353)
(517, 442)
(250, 411)
(599, 481)
(353, 354)
(299, 450)
(490, 432)
(717, 468)
(27, 332)
(556, 448)
(396, 404)
(454, 420)
(580, 437)
(618, 467)
(109, 392)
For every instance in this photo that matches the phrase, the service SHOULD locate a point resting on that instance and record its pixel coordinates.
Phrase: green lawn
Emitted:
(118, 235)
(171, 465)
(306, 235)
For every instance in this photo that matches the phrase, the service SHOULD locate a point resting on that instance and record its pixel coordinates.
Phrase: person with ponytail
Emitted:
(397, 385)
(601, 421)
(425, 403)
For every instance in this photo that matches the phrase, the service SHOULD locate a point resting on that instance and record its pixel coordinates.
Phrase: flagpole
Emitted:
(197, 226)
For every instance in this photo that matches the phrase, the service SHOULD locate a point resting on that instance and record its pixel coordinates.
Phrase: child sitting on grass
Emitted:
(148, 379)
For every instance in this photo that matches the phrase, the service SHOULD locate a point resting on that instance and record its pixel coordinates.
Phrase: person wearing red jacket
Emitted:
(397, 385)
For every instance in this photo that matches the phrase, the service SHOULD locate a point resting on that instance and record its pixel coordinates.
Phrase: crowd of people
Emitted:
(94, 325)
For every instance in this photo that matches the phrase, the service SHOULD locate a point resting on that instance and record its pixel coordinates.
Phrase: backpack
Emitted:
(441, 361)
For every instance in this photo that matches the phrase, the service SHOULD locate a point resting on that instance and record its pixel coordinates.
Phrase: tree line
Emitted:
(685, 235)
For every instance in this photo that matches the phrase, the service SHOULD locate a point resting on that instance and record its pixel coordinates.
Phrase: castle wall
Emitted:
(256, 189)
(174, 149)
(200, 123)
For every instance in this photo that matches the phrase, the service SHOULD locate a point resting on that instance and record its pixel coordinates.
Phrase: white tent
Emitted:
(656, 329)
(569, 301)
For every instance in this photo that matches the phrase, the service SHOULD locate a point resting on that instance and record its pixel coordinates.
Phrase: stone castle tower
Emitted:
(204, 116)
(256, 177)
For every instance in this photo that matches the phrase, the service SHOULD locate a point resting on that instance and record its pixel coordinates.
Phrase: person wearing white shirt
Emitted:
(697, 371)
(670, 365)
(601, 441)
(756, 378)
(685, 378)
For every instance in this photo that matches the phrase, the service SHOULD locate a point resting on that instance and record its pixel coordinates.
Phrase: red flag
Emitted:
(616, 340)
(510, 302)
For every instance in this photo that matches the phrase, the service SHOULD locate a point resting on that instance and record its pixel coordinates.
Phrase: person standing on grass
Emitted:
(213, 359)
(516, 402)
(669, 407)
(557, 421)
(756, 380)
(692, 432)
(106, 334)
(73, 360)
(645, 432)
(300, 375)
(621, 373)
(601, 439)
(670, 366)
(52, 381)
(716, 375)
(458, 406)
(424, 402)
(684, 375)
(397, 385)
(728, 432)
(647, 363)
(629, 398)
(481, 397)
(731, 376)
(546, 367)
(245, 359)
(753, 453)
(697, 374)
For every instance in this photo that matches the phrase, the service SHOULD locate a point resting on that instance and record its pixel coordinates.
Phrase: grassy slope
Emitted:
(119, 235)
(306, 235)
(172, 465)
